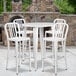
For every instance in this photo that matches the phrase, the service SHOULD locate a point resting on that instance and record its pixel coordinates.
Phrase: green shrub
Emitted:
(64, 7)
(26, 4)
(8, 5)
(1, 6)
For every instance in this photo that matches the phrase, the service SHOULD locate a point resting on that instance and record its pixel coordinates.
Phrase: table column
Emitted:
(35, 43)
(42, 45)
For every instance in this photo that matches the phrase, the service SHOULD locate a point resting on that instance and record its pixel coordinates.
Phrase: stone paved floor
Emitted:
(49, 71)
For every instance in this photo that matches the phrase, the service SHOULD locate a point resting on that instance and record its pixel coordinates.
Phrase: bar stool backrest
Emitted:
(11, 30)
(61, 30)
(21, 22)
(59, 21)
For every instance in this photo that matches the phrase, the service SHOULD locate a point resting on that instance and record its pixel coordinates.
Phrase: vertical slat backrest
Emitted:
(59, 21)
(20, 21)
(61, 30)
(22, 24)
(66, 31)
(11, 29)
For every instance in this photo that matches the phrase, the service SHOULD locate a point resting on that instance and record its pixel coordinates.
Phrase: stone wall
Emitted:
(1, 24)
(16, 6)
(46, 17)
(43, 6)
(71, 20)
(1, 19)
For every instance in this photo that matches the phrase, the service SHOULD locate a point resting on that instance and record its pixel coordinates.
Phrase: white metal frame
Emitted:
(24, 31)
(12, 31)
(38, 26)
(59, 34)
(57, 20)
(49, 32)
(22, 22)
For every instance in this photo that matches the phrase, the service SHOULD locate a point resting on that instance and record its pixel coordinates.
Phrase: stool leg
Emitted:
(64, 49)
(7, 55)
(20, 49)
(23, 53)
(55, 48)
(43, 54)
(16, 45)
(29, 56)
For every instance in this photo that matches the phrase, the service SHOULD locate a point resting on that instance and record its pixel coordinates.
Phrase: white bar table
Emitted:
(36, 26)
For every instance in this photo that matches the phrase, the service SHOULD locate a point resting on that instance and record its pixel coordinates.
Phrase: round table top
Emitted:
(38, 24)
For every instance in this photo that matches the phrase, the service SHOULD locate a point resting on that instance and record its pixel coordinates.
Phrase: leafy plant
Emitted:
(64, 7)
(73, 4)
(25, 4)
(1, 6)
(8, 5)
